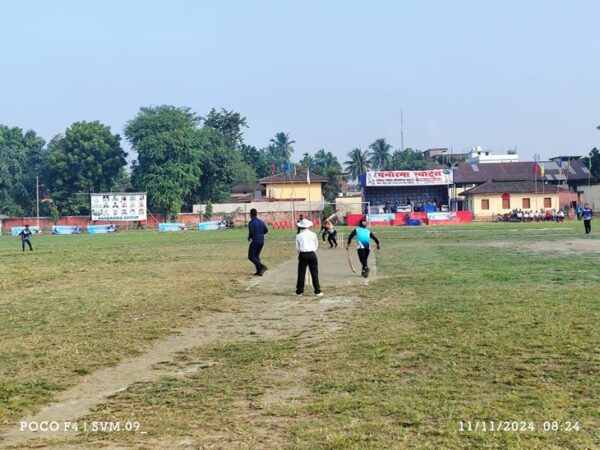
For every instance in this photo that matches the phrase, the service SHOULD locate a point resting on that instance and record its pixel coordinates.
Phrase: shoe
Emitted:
(299, 295)
(366, 274)
(262, 270)
(320, 294)
(256, 274)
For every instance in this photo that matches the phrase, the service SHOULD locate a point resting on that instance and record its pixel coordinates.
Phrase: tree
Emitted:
(358, 164)
(282, 146)
(379, 156)
(257, 159)
(408, 159)
(89, 158)
(21, 156)
(307, 162)
(229, 124)
(169, 164)
(324, 161)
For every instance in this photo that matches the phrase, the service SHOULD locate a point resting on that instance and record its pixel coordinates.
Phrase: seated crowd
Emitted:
(518, 215)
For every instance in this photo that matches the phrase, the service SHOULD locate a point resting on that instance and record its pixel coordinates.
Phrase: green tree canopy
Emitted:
(408, 159)
(282, 148)
(229, 125)
(594, 156)
(169, 164)
(89, 158)
(358, 164)
(21, 156)
(380, 157)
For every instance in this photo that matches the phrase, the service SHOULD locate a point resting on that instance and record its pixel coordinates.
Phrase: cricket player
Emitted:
(256, 235)
(25, 238)
(363, 240)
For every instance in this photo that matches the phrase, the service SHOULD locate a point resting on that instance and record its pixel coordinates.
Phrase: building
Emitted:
(479, 156)
(501, 197)
(298, 187)
(571, 174)
(407, 190)
(445, 156)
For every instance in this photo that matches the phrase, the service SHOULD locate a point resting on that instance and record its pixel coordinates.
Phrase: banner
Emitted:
(171, 227)
(380, 217)
(211, 226)
(441, 215)
(66, 229)
(101, 229)
(409, 177)
(130, 206)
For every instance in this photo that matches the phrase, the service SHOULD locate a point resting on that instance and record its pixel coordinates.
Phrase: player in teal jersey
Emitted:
(363, 239)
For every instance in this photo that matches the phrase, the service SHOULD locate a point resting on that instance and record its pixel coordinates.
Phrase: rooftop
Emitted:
(514, 187)
(300, 177)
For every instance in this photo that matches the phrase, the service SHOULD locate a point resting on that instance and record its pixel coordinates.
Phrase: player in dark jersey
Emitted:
(25, 238)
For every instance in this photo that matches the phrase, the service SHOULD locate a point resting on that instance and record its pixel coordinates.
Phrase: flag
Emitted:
(590, 164)
(542, 170)
(294, 170)
(308, 175)
(560, 166)
(273, 169)
(535, 168)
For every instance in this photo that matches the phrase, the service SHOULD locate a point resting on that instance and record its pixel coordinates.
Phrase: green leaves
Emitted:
(89, 158)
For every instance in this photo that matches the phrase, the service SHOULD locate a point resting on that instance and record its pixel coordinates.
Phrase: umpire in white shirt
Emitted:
(306, 246)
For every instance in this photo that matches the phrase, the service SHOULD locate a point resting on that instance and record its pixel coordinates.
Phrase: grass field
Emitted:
(482, 323)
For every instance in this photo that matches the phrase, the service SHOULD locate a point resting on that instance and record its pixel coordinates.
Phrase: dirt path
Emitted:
(265, 309)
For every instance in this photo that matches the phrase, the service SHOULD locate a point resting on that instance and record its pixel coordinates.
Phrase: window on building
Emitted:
(485, 203)
(526, 203)
(505, 201)
(547, 202)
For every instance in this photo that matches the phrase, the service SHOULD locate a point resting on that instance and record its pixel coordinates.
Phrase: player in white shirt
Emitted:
(307, 244)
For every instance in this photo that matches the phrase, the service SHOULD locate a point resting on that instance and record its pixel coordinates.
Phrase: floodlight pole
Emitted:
(37, 199)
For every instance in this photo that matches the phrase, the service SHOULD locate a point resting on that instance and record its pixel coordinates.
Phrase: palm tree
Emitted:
(283, 145)
(380, 154)
(307, 162)
(358, 163)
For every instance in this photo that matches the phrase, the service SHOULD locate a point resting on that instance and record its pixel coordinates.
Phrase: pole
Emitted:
(37, 199)
(401, 130)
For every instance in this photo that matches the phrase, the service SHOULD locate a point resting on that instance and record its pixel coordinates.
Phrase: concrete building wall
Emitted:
(306, 191)
(516, 202)
(591, 195)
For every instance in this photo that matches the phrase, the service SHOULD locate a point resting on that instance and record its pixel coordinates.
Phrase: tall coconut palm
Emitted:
(307, 162)
(283, 145)
(380, 157)
(358, 163)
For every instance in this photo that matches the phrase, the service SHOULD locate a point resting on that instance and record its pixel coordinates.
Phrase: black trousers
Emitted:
(254, 254)
(308, 259)
(588, 226)
(331, 238)
(324, 233)
(363, 256)
(26, 241)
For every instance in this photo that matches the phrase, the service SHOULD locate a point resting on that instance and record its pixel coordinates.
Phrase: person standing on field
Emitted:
(256, 235)
(25, 238)
(586, 215)
(307, 244)
(363, 240)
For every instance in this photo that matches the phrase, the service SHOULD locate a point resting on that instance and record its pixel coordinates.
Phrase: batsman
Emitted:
(363, 239)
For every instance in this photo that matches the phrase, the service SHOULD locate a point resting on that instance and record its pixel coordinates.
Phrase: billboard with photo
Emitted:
(113, 206)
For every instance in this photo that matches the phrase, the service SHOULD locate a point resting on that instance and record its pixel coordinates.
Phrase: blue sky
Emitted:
(334, 74)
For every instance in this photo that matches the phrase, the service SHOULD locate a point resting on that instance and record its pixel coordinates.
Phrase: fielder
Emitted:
(363, 240)
(25, 238)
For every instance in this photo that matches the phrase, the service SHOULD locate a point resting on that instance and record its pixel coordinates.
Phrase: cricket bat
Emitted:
(350, 260)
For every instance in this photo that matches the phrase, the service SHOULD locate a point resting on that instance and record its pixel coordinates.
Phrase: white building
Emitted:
(478, 155)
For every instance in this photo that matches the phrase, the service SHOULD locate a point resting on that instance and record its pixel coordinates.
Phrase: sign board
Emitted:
(409, 177)
(441, 215)
(171, 227)
(115, 206)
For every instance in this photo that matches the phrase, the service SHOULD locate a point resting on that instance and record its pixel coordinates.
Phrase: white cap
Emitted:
(305, 223)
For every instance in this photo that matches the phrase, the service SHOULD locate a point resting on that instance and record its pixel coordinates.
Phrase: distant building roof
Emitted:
(242, 188)
(512, 187)
(480, 173)
(300, 177)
